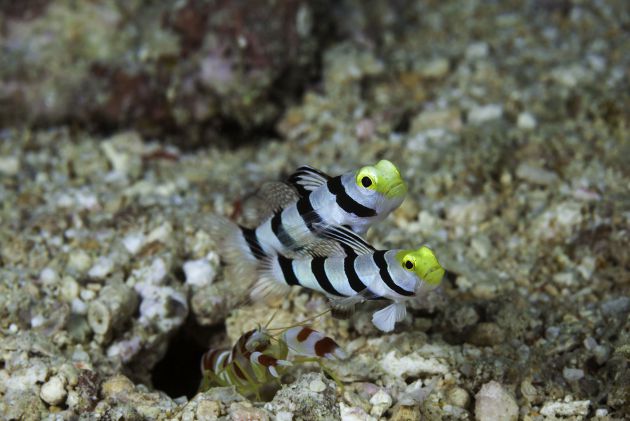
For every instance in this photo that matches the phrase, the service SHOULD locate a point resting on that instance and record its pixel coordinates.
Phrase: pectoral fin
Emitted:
(386, 318)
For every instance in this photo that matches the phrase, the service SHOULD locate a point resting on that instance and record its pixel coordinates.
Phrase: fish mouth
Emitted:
(397, 189)
(434, 275)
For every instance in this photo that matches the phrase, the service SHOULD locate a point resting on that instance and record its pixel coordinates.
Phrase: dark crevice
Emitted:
(404, 123)
(228, 133)
(178, 373)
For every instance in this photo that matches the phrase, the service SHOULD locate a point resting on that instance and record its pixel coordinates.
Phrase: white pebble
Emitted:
(565, 409)
(37, 321)
(164, 307)
(153, 274)
(458, 397)
(526, 121)
(284, 416)
(381, 397)
(485, 113)
(317, 386)
(13, 328)
(199, 272)
(79, 355)
(161, 233)
(53, 392)
(125, 349)
(103, 267)
(123, 152)
(482, 246)
(535, 175)
(412, 365)
(494, 402)
(570, 76)
(86, 200)
(79, 260)
(78, 306)
(435, 68)
(601, 412)
(380, 401)
(73, 399)
(25, 379)
(48, 276)
(590, 343)
(565, 278)
(69, 288)
(133, 242)
(416, 393)
(477, 50)
(466, 213)
(65, 200)
(9, 165)
(572, 374)
(87, 294)
(354, 413)
(558, 220)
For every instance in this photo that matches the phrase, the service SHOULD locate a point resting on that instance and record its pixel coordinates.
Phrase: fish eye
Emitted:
(366, 178)
(409, 264)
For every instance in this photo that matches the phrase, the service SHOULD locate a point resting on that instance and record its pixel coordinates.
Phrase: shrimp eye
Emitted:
(366, 182)
(409, 264)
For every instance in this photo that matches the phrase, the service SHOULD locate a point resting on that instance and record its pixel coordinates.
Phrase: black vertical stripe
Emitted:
(310, 217)
(301, 173)
(286, 265)
(379, 259)
(252, 242)
(319, 270)
(294, 181)
(346, 202)
(280, 232)
(351, 273)
(306, 211)
(300, 188)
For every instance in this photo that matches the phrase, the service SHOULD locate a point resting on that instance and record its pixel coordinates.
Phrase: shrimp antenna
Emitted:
(298, 323)
(270, 320)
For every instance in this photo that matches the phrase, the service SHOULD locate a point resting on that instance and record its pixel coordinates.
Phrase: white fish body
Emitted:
(348, 204)
(394, 275)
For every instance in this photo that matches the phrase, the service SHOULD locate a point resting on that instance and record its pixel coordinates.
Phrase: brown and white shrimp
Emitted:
(259, 358)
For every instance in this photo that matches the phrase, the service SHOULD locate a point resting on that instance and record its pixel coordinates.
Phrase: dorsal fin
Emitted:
(347, 239)
(323, 248)
(307, 178)
(271, 197)
(277, 195)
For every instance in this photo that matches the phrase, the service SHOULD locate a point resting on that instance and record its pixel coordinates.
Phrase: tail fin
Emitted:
(269, 283)
(237, 245)
(246, 259)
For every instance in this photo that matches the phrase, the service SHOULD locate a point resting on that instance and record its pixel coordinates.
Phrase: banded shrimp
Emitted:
(261, 356)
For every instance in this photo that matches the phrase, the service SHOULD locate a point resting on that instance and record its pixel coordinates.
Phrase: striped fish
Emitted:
(395, 275)
(257, 355)
(324, 208)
